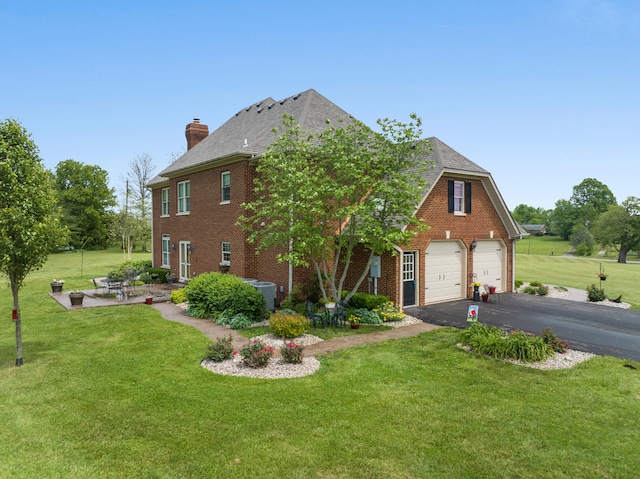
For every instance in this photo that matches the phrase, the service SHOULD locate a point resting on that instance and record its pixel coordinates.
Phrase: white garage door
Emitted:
(489, 263)
(443, 271)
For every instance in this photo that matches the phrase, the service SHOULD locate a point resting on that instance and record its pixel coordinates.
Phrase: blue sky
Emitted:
(540, 93)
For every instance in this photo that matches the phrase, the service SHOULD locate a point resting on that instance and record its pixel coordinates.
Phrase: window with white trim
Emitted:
(166, 251)
(226, 253)
(225, 181)
(458, 197)
(184, 197)
(165, 201)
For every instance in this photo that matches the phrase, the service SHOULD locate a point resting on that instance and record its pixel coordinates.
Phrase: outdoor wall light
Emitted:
(473, 245)
(173, 246)
(190, 247)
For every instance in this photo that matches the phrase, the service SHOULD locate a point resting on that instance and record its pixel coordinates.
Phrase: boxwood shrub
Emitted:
(367, 301)
(212, 294)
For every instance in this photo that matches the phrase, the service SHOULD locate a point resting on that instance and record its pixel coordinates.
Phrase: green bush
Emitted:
(583, 249)
(288, 325)
(492, 341)
(535, 284)
(294, 298)
(518, 283)
(178, 296)
(159, 273)
(551, 339)
(213, 294)
(367, 301)
(367, 317)
(220, 350)
(529, 290)
(542, 290)
(292, 353)
(256, 354)
(240, 321)
(595, 294)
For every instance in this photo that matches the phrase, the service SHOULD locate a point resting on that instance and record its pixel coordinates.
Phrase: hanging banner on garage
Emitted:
(472, 314)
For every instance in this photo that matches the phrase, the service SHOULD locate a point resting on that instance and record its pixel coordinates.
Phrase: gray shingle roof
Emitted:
(254, 124)
(446, 158)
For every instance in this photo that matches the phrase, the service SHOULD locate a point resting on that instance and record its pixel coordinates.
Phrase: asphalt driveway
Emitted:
(585, 326)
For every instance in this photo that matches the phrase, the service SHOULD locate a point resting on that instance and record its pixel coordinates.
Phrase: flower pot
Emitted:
(492, 290)
(330, 305)
(56, 287)
(476, 293)
(485, 298)
(603, 278)
(355, 326)
(76, 299)
(148, 300)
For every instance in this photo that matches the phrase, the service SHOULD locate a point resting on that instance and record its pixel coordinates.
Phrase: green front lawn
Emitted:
(118, 392)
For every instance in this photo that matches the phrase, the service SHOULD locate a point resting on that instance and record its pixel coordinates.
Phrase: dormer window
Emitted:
(459, 197)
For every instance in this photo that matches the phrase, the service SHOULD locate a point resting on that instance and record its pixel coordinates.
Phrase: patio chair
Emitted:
(313, 315)
(99, 288)
(340, 313)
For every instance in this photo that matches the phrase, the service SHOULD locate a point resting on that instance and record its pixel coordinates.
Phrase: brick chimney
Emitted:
(195, 133)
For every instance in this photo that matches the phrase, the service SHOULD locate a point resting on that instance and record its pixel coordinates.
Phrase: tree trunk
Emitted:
(622, 255)
(18, 321)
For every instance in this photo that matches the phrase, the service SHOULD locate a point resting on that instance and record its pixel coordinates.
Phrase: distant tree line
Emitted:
(590, 217)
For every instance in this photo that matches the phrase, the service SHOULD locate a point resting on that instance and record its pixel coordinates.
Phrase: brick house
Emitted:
(197, 201)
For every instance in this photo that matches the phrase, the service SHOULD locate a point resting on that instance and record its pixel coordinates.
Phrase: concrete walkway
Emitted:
(212, 331)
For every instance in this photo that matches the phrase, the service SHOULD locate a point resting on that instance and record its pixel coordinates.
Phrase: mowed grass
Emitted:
(118, 393)
(581, 272)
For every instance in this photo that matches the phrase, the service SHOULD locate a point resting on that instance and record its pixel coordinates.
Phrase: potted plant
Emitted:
(602, 275)
(76, 297)
(354, 321)
(328, 303)
(56, 285)
(491, 288)
(485, 296)
(476, 290)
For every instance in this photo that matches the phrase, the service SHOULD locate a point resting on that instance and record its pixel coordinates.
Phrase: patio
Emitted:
(95, 298)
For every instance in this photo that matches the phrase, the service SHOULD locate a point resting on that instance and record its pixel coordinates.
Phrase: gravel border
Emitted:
(559, 361)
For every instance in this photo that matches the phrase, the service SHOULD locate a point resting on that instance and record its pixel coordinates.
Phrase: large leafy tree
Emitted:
(591, 192)
(318, 196)
(85, 198)
(29, 227)
(529, 215)
(619, 227)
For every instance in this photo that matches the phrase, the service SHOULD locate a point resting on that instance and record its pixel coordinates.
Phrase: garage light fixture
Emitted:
(473, 245)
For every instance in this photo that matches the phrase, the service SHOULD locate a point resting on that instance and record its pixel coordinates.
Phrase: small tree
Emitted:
(318, 196)
(29, 228)
(619, 227)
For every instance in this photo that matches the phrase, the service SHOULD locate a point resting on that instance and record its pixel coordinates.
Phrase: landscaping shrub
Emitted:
(220, 350)
(583, 249)
(367, 317)
(292, 353)
(535, 284)
(542, 290)
(595, 294)
(492, 341)
(518, 283)
(286, 325)
(529, 290)
(389, 312)
(367, 301)
(159, 273)
(256, 354)
(213, 294)
(294, 298)
(551, 339)
(178, 296)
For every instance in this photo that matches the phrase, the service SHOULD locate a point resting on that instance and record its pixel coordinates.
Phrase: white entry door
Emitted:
(444, 262)
(185, 260)
(489, 260)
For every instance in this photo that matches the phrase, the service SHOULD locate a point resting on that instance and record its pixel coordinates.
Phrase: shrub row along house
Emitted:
(198, 199)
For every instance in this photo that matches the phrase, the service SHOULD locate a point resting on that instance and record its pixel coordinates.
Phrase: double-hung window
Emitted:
(184, 197)
(459, 197)
(165, 201)
(226, 253)
(225, 180)
(166, 251)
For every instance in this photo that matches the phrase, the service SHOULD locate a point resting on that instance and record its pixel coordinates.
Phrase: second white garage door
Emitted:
(489, 263)
(444, 262)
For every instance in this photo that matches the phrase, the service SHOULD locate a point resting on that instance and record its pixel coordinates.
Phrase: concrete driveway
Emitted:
(585, 326)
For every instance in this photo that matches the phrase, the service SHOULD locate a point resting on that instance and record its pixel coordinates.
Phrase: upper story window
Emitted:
(225, 180)
(165, 201)
(459, 197)
(226, 253)
(184, 197)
